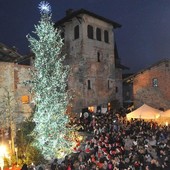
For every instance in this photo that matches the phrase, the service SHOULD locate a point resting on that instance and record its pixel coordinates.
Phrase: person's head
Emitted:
(24, 165)
(40, 168)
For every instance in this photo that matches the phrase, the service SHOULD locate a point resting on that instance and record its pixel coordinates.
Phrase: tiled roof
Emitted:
(130, 78)
(8, 54)
(73, 14)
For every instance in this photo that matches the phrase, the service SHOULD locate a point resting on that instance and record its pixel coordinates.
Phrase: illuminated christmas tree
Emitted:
(49, 88)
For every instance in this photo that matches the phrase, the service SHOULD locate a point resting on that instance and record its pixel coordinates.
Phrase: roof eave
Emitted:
(83, 11)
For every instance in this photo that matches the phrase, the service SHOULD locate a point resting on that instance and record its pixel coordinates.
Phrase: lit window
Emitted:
(155, 82)
(76, 32)
(90, 31)
(25, 99)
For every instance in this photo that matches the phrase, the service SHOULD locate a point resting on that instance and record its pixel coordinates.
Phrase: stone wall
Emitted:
(21, 74)
(82, 56)
(157, 96)
(12, 89)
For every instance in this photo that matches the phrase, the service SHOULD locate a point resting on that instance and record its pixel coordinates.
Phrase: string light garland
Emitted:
(49, 89)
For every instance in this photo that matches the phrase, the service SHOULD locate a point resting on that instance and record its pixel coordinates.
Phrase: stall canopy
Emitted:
(166, 114)
(165, 118)
(144, 112)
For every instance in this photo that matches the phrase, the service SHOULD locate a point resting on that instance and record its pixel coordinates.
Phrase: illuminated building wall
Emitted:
(12, 77)
(90, 51)
(151, 86)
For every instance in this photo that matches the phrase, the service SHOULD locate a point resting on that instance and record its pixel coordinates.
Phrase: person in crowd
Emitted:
(24, 167)
(119, 144)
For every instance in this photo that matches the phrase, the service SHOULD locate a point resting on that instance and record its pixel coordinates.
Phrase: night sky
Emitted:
(143, 39)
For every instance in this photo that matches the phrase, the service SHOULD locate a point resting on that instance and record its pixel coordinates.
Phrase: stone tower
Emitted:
(95, 79)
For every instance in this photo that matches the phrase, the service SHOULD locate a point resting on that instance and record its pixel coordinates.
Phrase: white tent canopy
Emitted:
(166, 113)
(144, 112)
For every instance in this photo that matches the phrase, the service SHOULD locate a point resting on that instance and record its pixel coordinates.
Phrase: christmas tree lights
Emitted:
(49, 81)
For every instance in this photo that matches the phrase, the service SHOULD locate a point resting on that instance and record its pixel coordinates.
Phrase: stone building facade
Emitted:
(15, 100)
(96, 73)
(95, 77)
(151, 86)
(13, 89)
(14, 95)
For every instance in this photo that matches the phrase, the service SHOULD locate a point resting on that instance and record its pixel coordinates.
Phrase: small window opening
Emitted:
(76, 32)
(98, 56)
(116, 89)
(106, 36)
(155, 82)
(98, 34)
(90, 31)
(89, 84)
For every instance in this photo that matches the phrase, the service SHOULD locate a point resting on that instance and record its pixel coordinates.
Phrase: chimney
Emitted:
(69, 11)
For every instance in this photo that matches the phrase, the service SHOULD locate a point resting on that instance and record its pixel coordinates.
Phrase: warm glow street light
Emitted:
(3, 150)
(3, 153)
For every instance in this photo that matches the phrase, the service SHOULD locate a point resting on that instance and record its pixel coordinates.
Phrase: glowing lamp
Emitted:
(157, 116)
(62, 154)
(80, 138)
(3, 151)
(91, 108)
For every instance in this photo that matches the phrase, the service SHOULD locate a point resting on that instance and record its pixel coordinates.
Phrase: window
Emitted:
(155, 82)
(90, 31)
(98, 56)
(76, 32)
(89, 84)
(106, 36)
(98, 34)
(62, 35)
(25, 99)
(116, 89)
(108, 84)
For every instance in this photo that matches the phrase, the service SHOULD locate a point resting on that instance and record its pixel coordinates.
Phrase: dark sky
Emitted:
(143, 39)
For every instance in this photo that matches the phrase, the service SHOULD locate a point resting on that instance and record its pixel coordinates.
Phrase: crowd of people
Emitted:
(118, 144)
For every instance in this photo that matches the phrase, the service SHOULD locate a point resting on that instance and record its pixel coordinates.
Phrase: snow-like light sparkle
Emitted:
(52, 135)
(44, 7)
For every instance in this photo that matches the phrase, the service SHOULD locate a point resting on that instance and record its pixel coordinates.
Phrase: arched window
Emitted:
(106, 36)
(90, 31)
(98, 34)
(76, 32)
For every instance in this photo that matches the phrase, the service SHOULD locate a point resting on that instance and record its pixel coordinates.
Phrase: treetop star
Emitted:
(44, 7)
